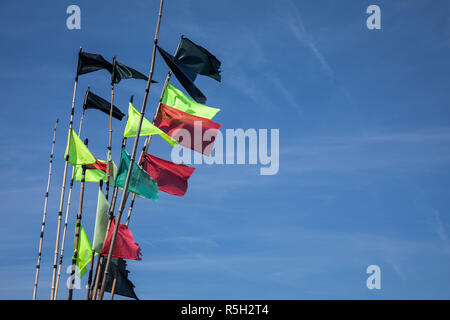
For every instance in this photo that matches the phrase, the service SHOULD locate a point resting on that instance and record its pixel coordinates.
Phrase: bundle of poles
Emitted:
(96, 281)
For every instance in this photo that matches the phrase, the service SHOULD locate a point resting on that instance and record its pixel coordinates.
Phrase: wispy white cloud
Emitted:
(296, 26)
(440, 230)
(376, 150)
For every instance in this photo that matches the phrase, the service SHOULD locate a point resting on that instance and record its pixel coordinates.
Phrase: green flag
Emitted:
(124, 72)
(79, 154)
(176, 99)
(141, 182)
(84, 254)
(147, 128)
(101, 222)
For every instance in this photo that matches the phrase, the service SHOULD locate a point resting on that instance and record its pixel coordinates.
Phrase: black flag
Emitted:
(122, 71)
(124, 287)
(89, 62)
(95, 102)
(198, 59)
(184, 75)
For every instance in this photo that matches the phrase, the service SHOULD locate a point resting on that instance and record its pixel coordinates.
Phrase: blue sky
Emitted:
(364, 146)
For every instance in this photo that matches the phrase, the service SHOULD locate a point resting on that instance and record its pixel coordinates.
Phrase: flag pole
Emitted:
(147, 141)
(41, 239)
(110, 126)
(144, 149)
(63, 188)
(133, 154)
(69, 198)
(88, 294)
(100, 260)
(77, 228)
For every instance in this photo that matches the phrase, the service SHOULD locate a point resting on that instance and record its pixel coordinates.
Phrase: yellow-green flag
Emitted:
(147, 128)
(176, 99)
(79, 154)
(95, 175)
(84, 252)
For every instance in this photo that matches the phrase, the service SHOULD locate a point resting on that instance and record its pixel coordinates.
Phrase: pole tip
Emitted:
(131, 98)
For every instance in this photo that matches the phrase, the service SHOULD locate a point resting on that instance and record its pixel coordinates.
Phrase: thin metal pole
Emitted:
(133, 154)
(41, 239)
(69, 199)
(63, 188)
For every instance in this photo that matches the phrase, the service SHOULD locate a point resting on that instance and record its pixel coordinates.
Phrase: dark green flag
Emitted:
(89, 62)
(93, 101)
(124, 287)
(198, 59)
(124, 72)
(184, 75)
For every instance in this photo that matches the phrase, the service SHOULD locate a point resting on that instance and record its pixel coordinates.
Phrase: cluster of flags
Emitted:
(180, 119)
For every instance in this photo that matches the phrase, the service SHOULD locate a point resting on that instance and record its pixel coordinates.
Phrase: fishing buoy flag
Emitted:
(176, 99)
(78, 153)
(198, 59)
(187, 129)
(171, 177)
(147, 128)
(140, 183)
(185, 76)
(125, 247)
(95, 102)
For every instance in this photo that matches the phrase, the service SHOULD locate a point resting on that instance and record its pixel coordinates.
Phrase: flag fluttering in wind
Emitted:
(198, 59)
(95, 102)
(125, 247)
(101, 222)
(122, 71)
(84, 254)
(171, 120)
(95, 172)
(124, 287)
(147, 128)
(140, 183)
(185, 76)
(79, 154)
(89, 62)
(176, 99)
(171, 177)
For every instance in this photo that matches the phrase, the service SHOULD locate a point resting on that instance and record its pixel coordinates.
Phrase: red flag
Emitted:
(100, 165)
(187, 129)
(125, 247)
(171, 177)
